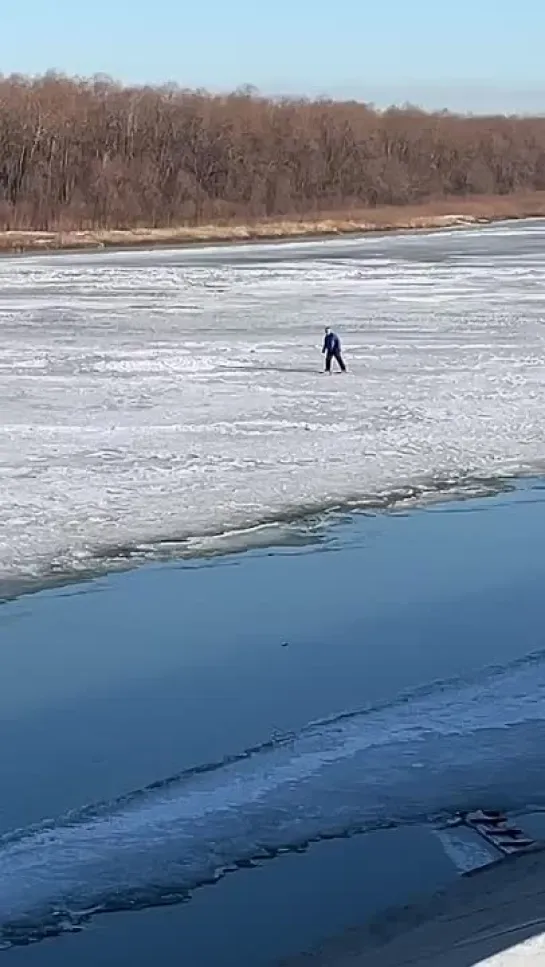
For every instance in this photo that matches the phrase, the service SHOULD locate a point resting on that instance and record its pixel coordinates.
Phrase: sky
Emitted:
(467, 55)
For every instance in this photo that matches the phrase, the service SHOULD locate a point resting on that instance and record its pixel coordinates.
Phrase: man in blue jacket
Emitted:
(332, 350)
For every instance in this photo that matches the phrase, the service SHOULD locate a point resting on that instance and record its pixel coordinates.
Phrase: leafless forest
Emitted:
(78, 154)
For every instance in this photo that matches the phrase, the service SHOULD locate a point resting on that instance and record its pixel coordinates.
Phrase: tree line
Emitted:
(81, 154)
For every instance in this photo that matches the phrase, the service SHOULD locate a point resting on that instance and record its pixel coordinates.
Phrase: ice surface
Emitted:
(467, 850)
(447, 746)
(163, 396)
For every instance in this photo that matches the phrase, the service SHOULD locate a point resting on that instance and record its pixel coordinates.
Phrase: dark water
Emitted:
(110, 686)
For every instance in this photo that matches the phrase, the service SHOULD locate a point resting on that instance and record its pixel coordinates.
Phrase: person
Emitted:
(332, 350)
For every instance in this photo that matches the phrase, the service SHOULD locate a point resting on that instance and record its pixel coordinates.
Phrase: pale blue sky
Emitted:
(467, 54)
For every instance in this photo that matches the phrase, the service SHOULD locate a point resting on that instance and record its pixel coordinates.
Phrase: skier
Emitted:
(332, 350)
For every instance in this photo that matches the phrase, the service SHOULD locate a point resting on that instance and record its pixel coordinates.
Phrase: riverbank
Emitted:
(436, 214)
(495, 917)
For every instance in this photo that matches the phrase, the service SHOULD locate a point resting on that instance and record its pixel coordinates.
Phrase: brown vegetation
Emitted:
(93, 156)
(429, 215)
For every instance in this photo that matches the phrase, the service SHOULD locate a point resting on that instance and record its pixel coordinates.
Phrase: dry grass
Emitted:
(432, 214)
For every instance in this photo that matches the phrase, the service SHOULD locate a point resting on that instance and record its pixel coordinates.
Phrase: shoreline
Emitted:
(327, 518)
(429, 216)
(483, 915)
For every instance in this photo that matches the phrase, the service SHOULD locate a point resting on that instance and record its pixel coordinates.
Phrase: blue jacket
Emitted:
(332, 343)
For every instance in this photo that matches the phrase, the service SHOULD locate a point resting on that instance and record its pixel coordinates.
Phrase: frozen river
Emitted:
(166, 403)
(156, 402)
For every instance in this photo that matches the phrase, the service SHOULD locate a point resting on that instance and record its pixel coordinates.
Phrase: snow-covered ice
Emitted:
(164, 396)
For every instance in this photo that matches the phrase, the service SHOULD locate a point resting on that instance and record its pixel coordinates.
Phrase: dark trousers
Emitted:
(330, 357)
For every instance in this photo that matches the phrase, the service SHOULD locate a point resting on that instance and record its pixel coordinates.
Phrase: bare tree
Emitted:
(94, 154)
